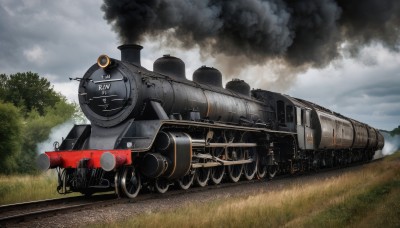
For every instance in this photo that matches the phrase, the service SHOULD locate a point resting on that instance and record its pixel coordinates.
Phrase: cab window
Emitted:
(280, 111)
(289, 114)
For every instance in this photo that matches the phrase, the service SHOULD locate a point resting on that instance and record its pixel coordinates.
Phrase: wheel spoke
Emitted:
(272, 170)
(202, 176)
(161, 185)
(261, 171)
(250, 169)
(235, 171)
(186, 181)
(217, 174)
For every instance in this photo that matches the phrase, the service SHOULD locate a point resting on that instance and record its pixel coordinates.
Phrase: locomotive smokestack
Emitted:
(130, 53)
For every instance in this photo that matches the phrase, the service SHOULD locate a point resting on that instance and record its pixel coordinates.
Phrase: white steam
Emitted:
(57, 133)
(392, 143)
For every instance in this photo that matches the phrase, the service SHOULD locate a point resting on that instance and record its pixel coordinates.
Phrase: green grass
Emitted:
(365, 198)
(18, 188)
(353, 211)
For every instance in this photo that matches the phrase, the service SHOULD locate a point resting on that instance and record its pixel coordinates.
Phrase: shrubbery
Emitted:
(29, 109)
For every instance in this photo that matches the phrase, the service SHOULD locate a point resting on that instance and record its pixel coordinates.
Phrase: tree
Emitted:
(33, 109)
(395, 131)
(37, 130)
(28, 91)
(3, 80)
(10, 137)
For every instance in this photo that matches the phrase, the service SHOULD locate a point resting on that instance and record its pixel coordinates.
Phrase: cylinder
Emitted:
(163, 141)
(109, 161)
(154, 165)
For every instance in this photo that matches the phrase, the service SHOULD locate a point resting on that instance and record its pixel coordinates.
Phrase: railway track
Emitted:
(25, 212)
(20, 212)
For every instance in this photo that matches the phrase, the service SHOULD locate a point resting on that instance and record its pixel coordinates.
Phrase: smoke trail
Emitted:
(302, 34)
(392, 143)
(56, 134)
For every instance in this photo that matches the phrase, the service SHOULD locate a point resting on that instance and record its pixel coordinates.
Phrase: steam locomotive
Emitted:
(155, 129)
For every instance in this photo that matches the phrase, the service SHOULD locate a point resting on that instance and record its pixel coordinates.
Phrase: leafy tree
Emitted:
(38, 109)
(10, 137)
(28, 91)
(395, 131)
(3, 80)
(38, 129)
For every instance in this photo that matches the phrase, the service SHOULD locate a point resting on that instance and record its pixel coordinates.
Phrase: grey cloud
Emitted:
(371, 96)
(63, 31)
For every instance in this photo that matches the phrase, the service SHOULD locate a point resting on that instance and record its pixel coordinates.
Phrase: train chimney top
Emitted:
(130, 53)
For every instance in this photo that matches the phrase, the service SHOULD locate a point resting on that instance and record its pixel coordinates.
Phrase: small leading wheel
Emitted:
(161, 185)
(130, 182)
(186, 181)
(202, 175)
(217, 173)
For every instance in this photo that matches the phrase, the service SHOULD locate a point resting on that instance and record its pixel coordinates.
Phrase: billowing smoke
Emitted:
(56, 134)
(392, 143)
(301, 34)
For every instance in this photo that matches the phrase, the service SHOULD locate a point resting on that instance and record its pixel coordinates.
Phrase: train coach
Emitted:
(155, 129)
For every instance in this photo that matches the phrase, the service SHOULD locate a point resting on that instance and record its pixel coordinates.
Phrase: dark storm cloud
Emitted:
(303, 33)
(370, 21)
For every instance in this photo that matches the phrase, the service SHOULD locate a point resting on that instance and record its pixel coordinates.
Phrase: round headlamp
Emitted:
(103, 61)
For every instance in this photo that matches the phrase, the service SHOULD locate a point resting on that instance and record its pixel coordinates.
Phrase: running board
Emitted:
(232, 145)
(220, 162)
(201, 143)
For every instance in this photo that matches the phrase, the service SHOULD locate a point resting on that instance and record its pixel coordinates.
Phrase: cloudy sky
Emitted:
(62, 39)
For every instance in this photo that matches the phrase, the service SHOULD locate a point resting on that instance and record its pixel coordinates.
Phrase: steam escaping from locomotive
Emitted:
(56, 134)
(303, 34)
(392, 143)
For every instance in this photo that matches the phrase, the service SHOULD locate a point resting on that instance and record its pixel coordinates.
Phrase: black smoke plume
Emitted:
(301, 33)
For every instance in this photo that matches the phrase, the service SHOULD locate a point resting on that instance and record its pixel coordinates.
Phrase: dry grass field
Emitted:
(369, 197)
(16, 188)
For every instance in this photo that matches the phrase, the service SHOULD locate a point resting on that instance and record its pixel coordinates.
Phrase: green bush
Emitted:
(10, 137)
(30, 108)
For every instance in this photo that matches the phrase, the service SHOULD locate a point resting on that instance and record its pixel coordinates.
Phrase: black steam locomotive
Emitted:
(154, 129)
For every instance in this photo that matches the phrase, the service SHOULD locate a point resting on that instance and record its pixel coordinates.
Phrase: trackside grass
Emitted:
(369, 197)
(16, 188)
